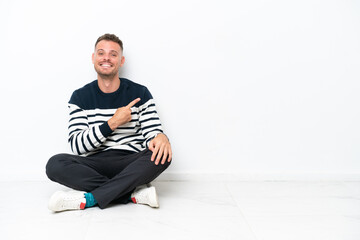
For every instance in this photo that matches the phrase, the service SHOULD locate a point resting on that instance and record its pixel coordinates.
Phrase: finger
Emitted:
(164, 156)
(170, 155)
(153, 156)
(133, 103)
(151, 146)
(156, 149)
(159, 156)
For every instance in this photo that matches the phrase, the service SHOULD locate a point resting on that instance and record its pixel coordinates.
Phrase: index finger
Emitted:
(131, 104)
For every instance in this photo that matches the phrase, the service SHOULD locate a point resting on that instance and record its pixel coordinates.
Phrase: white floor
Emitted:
(192, 210)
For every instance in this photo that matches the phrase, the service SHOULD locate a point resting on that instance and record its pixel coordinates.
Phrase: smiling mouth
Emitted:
(105, 65)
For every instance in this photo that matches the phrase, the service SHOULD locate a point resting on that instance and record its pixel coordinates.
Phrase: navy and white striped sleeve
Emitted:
(149, 119)
(82, 138)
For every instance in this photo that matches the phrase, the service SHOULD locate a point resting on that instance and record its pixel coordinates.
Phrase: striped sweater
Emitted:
(90, 109)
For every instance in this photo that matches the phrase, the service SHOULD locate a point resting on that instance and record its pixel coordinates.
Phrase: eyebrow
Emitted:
(104, 50)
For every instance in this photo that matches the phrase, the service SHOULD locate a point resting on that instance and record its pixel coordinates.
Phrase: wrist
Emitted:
(112, 124)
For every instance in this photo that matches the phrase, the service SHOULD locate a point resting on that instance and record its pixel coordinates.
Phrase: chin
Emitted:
(107, 75)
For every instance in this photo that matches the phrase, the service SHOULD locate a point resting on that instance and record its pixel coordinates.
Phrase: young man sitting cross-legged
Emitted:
(116, 136)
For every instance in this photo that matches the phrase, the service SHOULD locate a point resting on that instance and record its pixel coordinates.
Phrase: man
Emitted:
(116, 135)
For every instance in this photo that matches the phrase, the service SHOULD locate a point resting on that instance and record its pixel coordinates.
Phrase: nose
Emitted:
(106, 57)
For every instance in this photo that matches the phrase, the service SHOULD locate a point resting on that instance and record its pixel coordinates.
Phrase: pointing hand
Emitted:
(122, 115)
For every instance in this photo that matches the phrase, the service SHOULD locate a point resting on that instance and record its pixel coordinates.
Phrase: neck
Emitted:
(108, 84)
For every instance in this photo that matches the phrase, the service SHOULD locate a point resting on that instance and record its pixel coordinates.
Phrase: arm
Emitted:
(152, 131)
(149, 121)
(82, 138)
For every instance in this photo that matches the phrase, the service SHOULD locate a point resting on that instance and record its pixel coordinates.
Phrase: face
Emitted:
(107, 59)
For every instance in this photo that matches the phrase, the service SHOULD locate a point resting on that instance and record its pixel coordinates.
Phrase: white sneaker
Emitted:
(62, 201)
(145, 195)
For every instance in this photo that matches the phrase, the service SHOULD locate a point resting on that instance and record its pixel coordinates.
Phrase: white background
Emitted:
(253, 89)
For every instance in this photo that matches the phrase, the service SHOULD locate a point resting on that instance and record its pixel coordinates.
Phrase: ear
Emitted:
(122, 61)
(93, 58)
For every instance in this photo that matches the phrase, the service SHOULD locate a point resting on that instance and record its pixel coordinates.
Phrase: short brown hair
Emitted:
(110, 37)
